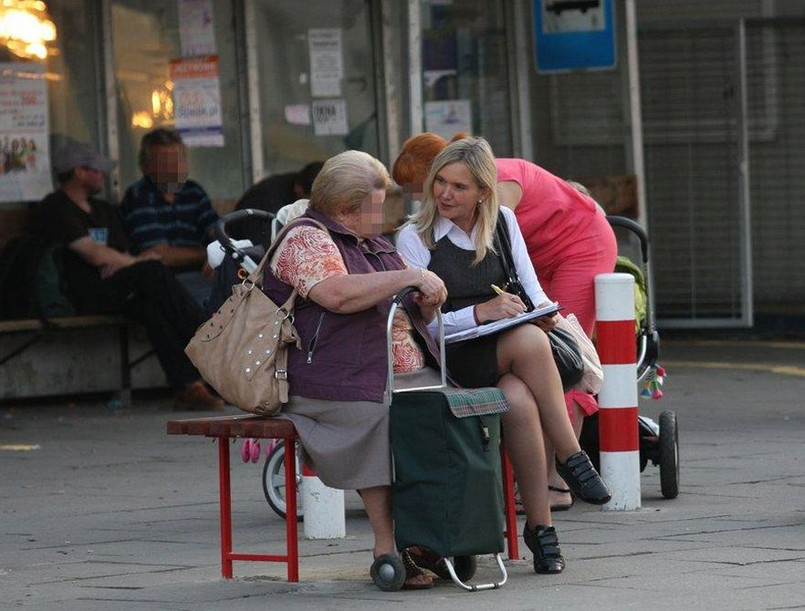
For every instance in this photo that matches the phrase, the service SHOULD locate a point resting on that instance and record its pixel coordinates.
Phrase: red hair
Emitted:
(413, 163)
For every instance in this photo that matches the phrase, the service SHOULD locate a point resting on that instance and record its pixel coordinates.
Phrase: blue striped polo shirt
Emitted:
(150, 220)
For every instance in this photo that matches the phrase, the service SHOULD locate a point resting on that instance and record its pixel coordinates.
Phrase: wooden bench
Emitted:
(244, 427)
(259, 427)
(16, 222)
(32, 330)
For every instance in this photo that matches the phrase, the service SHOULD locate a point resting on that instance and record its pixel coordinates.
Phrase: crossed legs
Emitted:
(537, 424)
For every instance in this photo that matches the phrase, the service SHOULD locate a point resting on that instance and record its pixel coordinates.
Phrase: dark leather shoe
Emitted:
(544, 543)
(583, 480)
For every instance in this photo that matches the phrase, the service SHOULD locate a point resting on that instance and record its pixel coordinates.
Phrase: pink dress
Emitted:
(569, 242)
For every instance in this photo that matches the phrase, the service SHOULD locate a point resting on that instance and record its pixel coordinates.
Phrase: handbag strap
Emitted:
(504, 245)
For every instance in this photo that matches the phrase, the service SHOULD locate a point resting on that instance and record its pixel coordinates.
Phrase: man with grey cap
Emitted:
(101, 277)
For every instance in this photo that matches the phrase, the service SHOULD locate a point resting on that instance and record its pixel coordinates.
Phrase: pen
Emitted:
(498, 290)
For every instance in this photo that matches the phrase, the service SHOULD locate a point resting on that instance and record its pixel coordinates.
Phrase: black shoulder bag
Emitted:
(566, 352)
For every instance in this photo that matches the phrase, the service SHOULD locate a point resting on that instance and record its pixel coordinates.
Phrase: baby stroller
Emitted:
(659, 441)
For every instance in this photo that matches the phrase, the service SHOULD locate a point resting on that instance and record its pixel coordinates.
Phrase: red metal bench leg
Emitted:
(226, 507)
(509, 505)
(291, 525)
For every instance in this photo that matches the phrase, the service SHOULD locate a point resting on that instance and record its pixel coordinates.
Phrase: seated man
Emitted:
(102, 278)
(168, 215)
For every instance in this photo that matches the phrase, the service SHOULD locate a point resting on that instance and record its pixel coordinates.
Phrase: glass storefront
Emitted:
(315, 80)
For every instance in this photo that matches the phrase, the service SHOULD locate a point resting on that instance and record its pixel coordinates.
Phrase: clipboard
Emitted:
(501, 325)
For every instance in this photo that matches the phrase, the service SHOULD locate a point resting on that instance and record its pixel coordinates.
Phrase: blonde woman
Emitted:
(453, 236)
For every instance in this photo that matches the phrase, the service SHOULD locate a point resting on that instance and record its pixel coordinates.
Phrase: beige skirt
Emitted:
(347, 442)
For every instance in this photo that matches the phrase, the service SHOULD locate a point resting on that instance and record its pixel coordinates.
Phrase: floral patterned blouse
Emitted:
(307, 255)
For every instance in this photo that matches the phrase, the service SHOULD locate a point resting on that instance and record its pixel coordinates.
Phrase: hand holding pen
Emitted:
(503, 305)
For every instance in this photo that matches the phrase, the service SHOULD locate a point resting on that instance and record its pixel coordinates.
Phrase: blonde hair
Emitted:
(477, 156)
(346, 182)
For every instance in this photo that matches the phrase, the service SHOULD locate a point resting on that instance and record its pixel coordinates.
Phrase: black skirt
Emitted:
(474, 363)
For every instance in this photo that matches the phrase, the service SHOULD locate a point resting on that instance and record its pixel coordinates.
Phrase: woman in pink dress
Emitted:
(568, 238)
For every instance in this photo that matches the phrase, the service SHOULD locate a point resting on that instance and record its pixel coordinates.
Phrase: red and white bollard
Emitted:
(618, 427)
(323, 507)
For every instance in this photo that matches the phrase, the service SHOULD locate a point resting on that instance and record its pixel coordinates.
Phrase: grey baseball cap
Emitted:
(76, 154)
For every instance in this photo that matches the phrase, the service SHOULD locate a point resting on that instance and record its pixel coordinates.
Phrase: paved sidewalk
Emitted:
(111, 513)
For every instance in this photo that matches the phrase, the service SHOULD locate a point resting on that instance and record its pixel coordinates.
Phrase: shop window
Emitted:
(175, 67)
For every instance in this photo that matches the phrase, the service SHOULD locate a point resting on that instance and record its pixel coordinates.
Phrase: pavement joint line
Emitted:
(720, 343)
(779, 369)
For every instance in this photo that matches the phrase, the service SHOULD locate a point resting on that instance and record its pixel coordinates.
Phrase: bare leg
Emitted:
(525, 352)
(377, 501)
(554, 480)
(524, 443)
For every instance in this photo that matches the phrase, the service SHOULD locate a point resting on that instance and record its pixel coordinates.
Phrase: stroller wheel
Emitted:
(388, 572)
(274, 482)
(669, 455)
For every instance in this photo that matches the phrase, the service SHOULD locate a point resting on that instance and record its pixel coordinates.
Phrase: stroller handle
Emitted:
(220, 225)
(635, 228)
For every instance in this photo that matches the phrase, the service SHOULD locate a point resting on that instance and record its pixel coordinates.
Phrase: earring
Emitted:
(480, 201)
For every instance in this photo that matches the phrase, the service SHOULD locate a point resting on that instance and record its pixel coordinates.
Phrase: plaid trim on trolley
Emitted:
(465, 402)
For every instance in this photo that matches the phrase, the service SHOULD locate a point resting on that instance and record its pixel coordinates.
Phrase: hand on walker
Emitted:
(433, 293)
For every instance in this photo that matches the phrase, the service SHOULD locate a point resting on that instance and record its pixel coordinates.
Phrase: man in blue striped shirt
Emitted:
(168, 215)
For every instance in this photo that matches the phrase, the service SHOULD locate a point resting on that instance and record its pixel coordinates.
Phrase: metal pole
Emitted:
(635, 111)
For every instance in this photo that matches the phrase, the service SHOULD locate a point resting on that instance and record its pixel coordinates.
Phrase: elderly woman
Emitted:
(346, 276)
(567, 238)
(452, 235)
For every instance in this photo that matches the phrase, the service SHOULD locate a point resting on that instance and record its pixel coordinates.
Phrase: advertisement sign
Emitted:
(197, 101)
(24, 146)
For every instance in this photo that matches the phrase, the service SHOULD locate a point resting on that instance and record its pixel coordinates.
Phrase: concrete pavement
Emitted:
(108, 512)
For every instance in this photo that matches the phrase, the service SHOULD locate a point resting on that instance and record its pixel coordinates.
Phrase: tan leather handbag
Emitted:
(242, 351)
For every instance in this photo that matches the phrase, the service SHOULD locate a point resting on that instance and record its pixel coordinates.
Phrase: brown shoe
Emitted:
(196, 398)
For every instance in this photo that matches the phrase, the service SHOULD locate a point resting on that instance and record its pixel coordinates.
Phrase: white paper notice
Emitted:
(197, 101)
(330, 117)
(196, 28)
(326, 62)
(24, 144)
(448, 117)
(297, 114)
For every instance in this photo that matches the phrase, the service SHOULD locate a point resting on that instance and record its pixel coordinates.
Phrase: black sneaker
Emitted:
(544, 543)
(583, 480)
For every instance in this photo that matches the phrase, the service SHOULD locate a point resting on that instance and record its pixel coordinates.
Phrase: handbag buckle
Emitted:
(281, 374)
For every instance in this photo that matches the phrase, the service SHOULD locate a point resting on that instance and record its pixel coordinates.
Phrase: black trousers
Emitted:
(148, 293)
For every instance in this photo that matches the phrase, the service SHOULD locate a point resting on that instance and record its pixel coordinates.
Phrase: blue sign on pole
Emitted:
(574, 35)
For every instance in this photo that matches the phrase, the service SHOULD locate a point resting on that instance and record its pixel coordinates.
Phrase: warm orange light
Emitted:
(25, 28)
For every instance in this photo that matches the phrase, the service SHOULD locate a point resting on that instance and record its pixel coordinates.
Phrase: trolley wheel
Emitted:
(388, 572)
(669, 455)
(465, 567)
(274, 482)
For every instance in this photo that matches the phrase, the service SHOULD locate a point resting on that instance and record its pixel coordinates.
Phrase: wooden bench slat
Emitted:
(260, 427)
(66, 322)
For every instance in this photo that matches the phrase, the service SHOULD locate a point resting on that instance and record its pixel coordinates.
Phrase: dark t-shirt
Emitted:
(64, 222)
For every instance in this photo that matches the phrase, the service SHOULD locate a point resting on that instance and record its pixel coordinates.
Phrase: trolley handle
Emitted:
(395, 303)
(635, 228)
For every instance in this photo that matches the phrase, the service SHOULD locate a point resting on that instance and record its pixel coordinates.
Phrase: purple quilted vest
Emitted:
(343, 356)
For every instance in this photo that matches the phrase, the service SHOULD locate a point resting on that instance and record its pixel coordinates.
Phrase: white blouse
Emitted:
(413, 249)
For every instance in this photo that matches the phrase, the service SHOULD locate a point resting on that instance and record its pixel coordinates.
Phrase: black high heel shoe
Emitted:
(582, 479)
(544, 543)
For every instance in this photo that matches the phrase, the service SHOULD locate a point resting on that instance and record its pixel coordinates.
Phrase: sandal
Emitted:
(562, 491)
(431, 561)
(413, 572)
